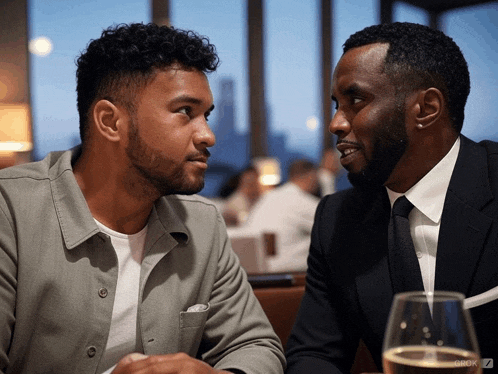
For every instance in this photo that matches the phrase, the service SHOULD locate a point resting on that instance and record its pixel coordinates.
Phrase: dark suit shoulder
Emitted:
(491, 149)
(352, 204)
(350, 217)
(491, 146)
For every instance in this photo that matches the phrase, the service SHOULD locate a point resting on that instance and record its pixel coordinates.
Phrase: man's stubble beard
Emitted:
(390, 143)
(149, 163)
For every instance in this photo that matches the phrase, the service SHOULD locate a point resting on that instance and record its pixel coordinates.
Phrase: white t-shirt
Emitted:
(123, 332)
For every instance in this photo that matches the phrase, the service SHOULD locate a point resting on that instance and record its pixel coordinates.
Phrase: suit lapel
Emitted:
(461, 238)
(373, 282)
(463, 227)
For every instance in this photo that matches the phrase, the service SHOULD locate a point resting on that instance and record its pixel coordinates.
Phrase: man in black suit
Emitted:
(400, 91)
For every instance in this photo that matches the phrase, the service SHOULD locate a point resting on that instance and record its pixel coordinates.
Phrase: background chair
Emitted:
(249, 247)
(280, 297)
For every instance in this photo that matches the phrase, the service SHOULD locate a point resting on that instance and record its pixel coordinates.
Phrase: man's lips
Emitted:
(203, 159)
(200, 158)
(347, 148)
(348, 151)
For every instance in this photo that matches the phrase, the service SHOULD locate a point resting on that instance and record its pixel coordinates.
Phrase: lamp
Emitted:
(269, 170)
(15, 128)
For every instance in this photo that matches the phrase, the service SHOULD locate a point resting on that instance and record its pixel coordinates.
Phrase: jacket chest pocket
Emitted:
(191, 329)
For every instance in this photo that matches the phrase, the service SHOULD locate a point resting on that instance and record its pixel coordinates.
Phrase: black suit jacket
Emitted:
(348, 287)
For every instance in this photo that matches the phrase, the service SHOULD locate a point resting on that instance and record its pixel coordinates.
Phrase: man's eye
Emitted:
(185, 110)
(357, 100)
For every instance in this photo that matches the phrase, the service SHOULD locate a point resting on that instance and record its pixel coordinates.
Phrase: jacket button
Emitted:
(91, 351)
(103, 292)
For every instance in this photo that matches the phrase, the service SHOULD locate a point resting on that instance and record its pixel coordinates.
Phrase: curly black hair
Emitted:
(124, 59)
(421, 57)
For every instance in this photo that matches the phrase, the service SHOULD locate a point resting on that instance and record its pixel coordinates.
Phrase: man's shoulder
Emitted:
(37, 170)
(491, 149)
(490, 146)
(352, 196)
(483, 150)
(350, 206)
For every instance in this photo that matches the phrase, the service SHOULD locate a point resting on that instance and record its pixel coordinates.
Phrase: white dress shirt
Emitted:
(428, 197)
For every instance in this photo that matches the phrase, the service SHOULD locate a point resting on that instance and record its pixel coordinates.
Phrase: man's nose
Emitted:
(339, 124)
(204, 134)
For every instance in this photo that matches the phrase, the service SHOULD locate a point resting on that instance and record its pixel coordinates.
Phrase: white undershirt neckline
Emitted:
(123, 332)
(428, 196)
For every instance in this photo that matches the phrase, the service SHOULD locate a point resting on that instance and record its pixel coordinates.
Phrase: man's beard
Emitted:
(390, 143)
(166, 176)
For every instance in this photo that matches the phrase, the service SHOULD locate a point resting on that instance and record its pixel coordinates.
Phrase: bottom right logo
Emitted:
(487, 363)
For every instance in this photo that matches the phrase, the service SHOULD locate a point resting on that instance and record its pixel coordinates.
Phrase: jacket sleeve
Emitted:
(245, 340)
(8, 284)
(323, 339)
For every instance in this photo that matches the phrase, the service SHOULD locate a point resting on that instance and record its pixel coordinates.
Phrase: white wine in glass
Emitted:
(430, 333)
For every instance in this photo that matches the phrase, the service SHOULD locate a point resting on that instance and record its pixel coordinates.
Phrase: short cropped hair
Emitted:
(421, 57)
(126, 57)
(300, 167)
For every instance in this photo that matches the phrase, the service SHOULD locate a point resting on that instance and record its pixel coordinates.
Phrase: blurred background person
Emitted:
(240, 202)
(288, 211)
(328, 172)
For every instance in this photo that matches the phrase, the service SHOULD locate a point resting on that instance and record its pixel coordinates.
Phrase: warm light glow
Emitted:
(269, 180)
(312, 123)
(41, 46)
(269, 170)
(15, 128)
(3, 90)
(12, 146)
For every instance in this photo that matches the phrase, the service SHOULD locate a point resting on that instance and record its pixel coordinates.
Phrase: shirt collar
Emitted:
(75, 219)
(429, 193)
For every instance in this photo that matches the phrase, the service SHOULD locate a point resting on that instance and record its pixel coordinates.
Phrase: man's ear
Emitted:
(428, 107)
(108, 120)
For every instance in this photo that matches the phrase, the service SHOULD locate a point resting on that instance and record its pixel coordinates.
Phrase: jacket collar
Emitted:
(470, 179)
(464, 226)
(75, 219)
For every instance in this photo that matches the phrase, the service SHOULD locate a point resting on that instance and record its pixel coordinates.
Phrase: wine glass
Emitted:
(430, 332)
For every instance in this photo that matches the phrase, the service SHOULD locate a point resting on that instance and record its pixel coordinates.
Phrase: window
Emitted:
(69, 25)
(224, 23)
(475, 30)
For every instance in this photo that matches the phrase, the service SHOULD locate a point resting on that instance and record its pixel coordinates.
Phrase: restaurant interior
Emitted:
(279, 292)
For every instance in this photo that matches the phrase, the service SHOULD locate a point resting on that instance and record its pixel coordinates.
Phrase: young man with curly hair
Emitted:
(400, 91)
(106, 264)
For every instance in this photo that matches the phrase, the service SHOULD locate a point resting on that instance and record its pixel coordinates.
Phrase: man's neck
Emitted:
(110, 201)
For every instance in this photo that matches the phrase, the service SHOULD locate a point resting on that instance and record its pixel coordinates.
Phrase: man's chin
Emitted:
(364, 181)
(189, 191)
(188, 188)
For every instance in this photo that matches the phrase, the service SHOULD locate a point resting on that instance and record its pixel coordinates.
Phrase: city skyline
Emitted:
(291, 65)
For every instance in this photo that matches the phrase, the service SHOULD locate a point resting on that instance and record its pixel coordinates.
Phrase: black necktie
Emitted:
(403, 262)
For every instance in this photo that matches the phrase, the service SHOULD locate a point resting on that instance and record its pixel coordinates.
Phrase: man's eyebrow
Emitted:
(352, 90)
(191, 100)
(186, 99)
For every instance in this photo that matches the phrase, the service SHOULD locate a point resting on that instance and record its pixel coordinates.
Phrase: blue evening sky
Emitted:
(292, 58)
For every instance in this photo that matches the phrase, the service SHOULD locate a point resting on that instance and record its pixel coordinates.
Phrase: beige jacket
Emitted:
(58, 274)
